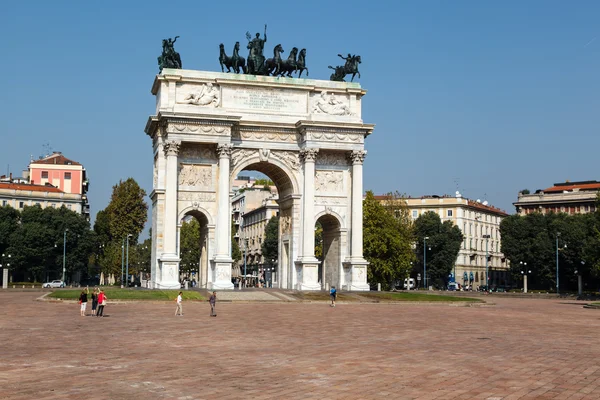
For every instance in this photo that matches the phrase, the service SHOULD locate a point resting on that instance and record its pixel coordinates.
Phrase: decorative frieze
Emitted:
(290, 158)
(192, 152)
(204, 129)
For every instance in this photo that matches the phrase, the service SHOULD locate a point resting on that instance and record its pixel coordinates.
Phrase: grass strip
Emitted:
(417, 297)
(128, 294)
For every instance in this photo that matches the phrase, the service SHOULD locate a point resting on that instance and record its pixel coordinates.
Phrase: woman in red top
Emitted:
(101, 303)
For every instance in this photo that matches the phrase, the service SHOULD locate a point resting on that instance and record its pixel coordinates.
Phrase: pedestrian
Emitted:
(213, 301)
(333, 295)
(94, 301)
(179, 308)
(83, 302)
(101, 303)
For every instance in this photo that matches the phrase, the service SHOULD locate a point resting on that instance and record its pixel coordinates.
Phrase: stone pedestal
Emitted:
(169, 272)
(524, 283)
(221, 269)
(310, 274)
(358, 275)
(5, 278)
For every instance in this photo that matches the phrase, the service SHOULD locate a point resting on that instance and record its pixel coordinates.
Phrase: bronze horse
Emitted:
(288, 66)
(301, 63)
(274, 64)
(351, 67)
(236, 62)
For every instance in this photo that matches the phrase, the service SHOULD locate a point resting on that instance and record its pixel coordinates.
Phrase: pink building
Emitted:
(67, 175)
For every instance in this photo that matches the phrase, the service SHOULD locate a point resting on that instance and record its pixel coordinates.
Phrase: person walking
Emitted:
(179, 308)
(213, 302)
(333, 295)
(101, 303)
(94, 301)
(83, 302)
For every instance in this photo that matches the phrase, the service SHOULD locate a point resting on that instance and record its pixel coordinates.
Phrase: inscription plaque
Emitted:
(265, 99)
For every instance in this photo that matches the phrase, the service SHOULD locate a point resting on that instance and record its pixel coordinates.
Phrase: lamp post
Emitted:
(64, 254)
(127, 262)
(557, 249)
(122, 260)
(424, 262)
(5, 265)
(487, 278)
(579, 281)
(524, 272)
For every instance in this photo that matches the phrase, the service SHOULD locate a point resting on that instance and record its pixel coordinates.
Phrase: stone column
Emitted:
(169, 260)
(4, 278)
(307, 262)
(357, 263)
(223, 261)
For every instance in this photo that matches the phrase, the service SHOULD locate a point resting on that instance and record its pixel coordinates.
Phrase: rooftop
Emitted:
(573, 186)
(477, 204)
(55, 158)
(30, 187)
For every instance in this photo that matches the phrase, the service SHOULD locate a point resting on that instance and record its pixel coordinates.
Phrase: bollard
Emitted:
(379, 287)
(240, 285)
(23, 286)
(186, 285)
(33, 286)
(327, 286)
(14, 286)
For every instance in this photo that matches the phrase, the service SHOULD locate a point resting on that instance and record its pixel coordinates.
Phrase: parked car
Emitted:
(409, 284)
(454, 286)
(482, 288)
(54, 284)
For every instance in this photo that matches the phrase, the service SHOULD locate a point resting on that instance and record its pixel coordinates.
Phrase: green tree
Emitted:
(190, 245)
(444, 239)
(387, 242)
(319, 241)
(270, 246)
(236, 253)
(9, 222)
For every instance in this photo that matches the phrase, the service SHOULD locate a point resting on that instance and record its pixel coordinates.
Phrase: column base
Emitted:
(309, 277)
(357, 275)
(221, 268)
(168, 276)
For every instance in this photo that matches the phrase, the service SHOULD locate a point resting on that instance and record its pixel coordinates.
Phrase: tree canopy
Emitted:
(444, 239)
(270, 246)
(387, 240)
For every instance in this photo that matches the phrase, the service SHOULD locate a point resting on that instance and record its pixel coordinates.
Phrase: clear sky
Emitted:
(487, 97)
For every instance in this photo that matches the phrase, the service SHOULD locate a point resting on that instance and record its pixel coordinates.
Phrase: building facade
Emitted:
(21, 195)
(568, 197)
(479, 223)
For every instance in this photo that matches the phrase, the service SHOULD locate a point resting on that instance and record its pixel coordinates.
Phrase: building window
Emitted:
(67, 175)
(4, 203)
(53, 205)
(415, 214)
(21, 204)
(44, 174)
(449, 213)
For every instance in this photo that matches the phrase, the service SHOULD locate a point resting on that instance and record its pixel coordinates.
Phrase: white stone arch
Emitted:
(340, 220)
(255, 160)
(187, 210)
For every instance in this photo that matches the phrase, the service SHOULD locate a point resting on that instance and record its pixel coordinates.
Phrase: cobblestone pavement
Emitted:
(519, 348)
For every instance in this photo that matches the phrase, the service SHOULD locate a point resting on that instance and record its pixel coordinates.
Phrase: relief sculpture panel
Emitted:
(329, 181)
(196, 176)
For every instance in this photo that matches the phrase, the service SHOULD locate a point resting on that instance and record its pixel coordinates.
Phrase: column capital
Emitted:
(171, 147)
(224, 150)
(309, 154)
(357, 156)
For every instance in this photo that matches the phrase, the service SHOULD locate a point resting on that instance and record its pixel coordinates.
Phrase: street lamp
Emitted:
(122, 260)
(557, 249)
(425, 262)
(64, 253)
(579, 282)
(524, 272)
(127, 264)
(487, 278)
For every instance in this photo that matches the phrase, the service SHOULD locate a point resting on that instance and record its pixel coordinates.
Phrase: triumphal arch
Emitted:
(306, 135)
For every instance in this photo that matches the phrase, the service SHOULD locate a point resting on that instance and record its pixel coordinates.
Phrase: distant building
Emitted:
(479, 223)
(568, 197)
(51, 181)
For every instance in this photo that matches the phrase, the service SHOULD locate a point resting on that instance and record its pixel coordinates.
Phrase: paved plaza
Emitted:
(517, 348)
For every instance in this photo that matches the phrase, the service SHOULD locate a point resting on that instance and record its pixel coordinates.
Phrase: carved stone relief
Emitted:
(195, 153)
(286, 221)
(205, 95)
(155, 174)
(329, 181)
(198, 197)
(290, 137)
(337, 137)
(332, 159)
(200, 129)
(238, 155)
(330, 105)
(196, 176)
(289, 158)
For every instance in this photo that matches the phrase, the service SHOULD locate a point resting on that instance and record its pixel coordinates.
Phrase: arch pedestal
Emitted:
(306, 135)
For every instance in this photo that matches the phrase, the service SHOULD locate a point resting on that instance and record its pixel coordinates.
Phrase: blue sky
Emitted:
(489, 97)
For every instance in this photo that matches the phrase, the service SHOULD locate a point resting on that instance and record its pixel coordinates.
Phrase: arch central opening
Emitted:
(193, 249)
(263, 207)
